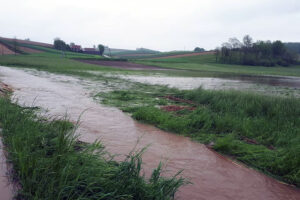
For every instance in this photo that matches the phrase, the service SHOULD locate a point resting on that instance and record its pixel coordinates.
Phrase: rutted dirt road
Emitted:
(214, 177)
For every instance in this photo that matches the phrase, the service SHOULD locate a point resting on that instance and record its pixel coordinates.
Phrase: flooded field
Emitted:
(282, 86)
(213, 176)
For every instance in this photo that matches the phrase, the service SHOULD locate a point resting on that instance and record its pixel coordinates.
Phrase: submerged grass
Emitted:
(260, 131)
(49, 163)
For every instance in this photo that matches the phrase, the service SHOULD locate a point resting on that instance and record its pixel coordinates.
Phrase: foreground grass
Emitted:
(260, 131)
(49, 163)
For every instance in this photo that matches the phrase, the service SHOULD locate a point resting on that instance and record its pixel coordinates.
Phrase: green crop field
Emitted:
(206, 63)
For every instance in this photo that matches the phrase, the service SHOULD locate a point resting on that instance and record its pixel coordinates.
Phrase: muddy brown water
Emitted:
(214, 177)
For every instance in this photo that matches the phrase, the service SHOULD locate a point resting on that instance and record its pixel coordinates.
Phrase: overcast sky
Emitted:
(157, 24)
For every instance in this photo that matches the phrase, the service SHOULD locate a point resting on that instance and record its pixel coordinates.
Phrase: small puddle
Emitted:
(214, 177)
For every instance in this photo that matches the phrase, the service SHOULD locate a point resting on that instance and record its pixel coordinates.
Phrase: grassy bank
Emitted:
(49, 163)
(260, 131)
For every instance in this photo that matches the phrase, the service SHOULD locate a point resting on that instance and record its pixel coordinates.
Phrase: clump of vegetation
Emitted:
(49, 163)
(198, 49)
(260, 131)
(260, 53)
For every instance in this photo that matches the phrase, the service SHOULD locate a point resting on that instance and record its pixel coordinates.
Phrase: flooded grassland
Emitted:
(213, 176)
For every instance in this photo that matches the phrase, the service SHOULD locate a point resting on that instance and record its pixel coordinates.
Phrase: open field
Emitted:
(206, 63)
(5, 51)
(121, 65)
(27, 42)
(184, 55)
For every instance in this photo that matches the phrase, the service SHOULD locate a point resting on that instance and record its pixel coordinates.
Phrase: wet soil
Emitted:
(214, 177)
(121, 65)
(5, 51)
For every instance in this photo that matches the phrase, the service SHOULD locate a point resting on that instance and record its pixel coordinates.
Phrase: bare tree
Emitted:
(248, 41)
(235, 43)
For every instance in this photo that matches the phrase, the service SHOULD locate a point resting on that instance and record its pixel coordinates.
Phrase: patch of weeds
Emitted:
(50, 163)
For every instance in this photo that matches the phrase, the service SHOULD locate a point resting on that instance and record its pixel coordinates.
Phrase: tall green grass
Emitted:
(261, 131)
(49, 163)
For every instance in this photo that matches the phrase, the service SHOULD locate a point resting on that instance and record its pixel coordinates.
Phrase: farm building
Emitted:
(76, 48)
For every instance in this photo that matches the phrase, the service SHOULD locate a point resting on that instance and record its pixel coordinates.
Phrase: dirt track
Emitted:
(185, 55)
(122, 65)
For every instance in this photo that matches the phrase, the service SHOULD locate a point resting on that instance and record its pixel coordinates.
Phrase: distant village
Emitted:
(79, 49)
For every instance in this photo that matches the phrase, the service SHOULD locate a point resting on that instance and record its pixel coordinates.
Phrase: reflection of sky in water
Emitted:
(188, 83)
(247, 84)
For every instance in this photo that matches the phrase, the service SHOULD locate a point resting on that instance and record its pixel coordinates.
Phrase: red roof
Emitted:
(75, 46)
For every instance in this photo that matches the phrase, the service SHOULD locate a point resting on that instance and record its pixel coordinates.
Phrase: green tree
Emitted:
(60, 44)
(278, 48)
(198, 49)
(101, 49)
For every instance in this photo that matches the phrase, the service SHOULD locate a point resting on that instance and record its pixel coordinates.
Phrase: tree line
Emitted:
(61, 45)
(247, 52)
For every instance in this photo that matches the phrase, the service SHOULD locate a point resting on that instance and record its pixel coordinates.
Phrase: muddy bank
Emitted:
(121, 65)
(213, 176)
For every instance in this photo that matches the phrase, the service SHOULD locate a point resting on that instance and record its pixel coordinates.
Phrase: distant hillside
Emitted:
(27, 42)
(126, 53)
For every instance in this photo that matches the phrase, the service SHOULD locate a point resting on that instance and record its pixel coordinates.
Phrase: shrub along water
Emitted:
(262, 131)
(49, 162)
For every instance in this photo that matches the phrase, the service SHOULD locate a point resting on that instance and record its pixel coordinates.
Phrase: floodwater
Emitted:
(264, 84)
(213, 176)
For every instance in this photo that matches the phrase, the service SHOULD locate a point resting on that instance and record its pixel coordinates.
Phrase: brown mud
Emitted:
(214, 177)
(5, 51)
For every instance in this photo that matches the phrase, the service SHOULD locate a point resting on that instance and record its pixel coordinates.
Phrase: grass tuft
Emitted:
(49, 163)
